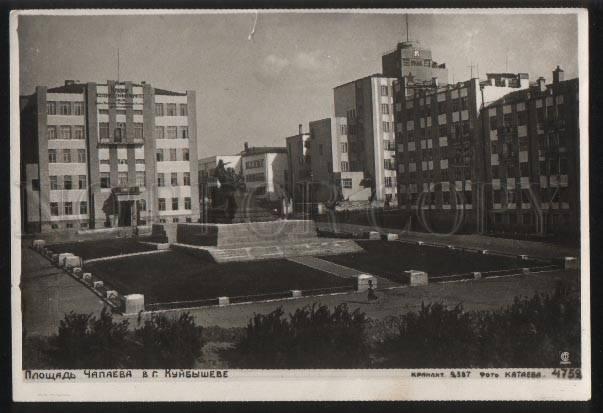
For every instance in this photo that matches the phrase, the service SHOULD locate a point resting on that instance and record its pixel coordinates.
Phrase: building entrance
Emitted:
(125, 213)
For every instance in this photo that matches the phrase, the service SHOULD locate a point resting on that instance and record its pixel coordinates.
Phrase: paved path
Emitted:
(518, 247)
(47, 294)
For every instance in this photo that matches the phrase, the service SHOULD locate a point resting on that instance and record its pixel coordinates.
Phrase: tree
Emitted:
(168, 343)
(312, 337)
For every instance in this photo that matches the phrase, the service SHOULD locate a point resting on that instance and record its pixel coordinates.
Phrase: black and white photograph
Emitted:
(300, 204)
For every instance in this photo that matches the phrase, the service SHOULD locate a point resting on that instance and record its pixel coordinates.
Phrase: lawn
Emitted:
(102, 248)
(177, 276)
(391, 259)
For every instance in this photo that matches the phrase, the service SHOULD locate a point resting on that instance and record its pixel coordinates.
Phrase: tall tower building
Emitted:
(414, 62)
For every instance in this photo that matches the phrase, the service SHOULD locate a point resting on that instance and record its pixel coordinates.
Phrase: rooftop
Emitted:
(259, 150)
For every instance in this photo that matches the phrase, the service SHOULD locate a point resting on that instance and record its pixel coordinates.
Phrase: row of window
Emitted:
(175, 204)
(174, 181)
(119, 111)
(68, 208)
(172, 154)
(122, 179)
(65, 108)
(257, 163)
(66, 156)
(526, 196)
(64, 132)
(68, 182)
(441, 107)
(171, 132)
(259, 177)
(119, 132)
(171, 109)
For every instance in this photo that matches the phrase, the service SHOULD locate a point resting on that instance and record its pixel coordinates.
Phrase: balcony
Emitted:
(127, 190)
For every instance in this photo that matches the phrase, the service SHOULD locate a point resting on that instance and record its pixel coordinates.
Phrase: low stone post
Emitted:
(163, 246)
(72, 261)
(362, 282)
(477, 275)
(419, 243)
(296, 293)
(222, 301)
(77, 272)
(392, 237)
(374, 235)
(523, 257)
(87, 278)
(62, 257)
(417, 277)
(38, 244)
(525, 271)
(484, 252)
(111, 294)
(569, 263)
(98, 284)
(134, 303)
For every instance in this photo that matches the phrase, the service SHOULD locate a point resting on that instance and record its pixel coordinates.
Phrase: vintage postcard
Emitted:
(300, 205)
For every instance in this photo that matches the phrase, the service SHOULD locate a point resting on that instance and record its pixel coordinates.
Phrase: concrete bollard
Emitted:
(111, 294)
(525, 271)
(450, 247)
(163, 246)
(87, 277)
(54, 258)
(569, 263)
(77, 272)
(419, 243)
(134, 303)
(477, 275)
(484, 252)
(72, 261)
(296, 293)
(98, 284)
(38, 244)
(374, 235)
(417, 278)
(62, 257)
(362, 282)
(392, 237)
(222, 301)
(523, 257)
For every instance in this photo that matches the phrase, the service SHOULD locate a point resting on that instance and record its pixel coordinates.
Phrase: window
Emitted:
(120, 132)
(140, 178)
(138, 131)
(158, 109)
(65, 132)
(184, 132)
(78, 132)
(78, 108)
(103, 111)
(54, 182)
(35, 184)
(258, 163)
(175, 220)
(103, 130)
(384, 90)
(388, 181)
(346, 183)
(51, 108)
(105, 180)
(185, 155)
(344, 147)
(159, 132)
(385, 108)
(122, 179)
(171, 109)
(51, 132)
(386, 127)
(343, 129)
(64, 108)
(174, 179)
(187, 202)
(173, 154)
(54, 209)
(159, 155)
(172, 132)
(162, 204)
(175, 206)
(81, 182)
(139, 161)
(52, 155)
(66, 155)
(183, 109)
(345, 166)
(160, 179)
(142, 204)
(83, 207)
(81, 156)
(187, 178)
(68, 208)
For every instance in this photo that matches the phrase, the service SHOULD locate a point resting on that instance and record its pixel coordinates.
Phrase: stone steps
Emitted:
(270, 250)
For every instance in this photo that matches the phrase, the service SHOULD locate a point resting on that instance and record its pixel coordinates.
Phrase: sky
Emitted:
(258, 90)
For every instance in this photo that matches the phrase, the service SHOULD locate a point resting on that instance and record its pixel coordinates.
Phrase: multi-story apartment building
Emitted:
(440, 148)
(412, 61)
(532, 156)
(108, 154)
(367, 134)
(263, 170)
(298, 175)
